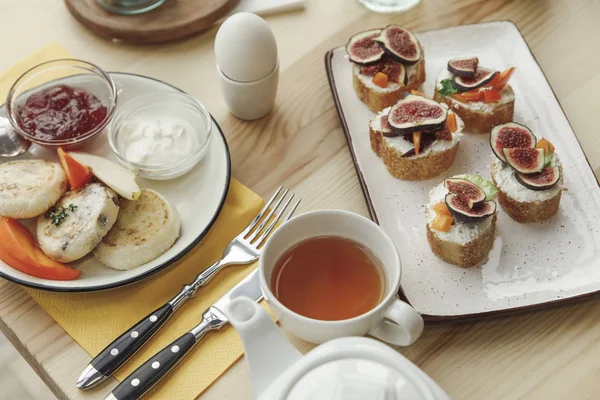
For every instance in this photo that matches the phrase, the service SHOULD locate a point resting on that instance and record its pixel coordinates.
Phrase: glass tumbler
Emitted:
(389, 6)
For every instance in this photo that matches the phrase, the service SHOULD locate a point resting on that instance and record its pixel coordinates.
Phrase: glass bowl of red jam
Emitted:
(62, 103)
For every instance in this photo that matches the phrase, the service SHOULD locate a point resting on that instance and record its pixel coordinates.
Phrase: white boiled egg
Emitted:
(245, 48)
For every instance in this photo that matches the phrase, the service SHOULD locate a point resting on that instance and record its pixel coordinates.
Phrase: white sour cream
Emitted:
(158, 141)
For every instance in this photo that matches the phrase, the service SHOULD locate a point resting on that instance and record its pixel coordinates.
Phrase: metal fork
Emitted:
(243, 249)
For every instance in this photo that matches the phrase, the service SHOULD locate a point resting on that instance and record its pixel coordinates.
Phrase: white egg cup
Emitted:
(250, 100)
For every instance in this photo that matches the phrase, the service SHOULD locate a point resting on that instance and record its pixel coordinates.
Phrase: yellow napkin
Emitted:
(95, 319)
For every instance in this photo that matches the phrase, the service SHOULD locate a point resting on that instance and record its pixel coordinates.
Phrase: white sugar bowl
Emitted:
(247, 64)
(348, 368)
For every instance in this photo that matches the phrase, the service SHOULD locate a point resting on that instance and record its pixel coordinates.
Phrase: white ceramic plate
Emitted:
(198, 196)
(530, 264)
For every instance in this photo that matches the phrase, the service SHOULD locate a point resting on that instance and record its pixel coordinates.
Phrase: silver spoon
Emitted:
(11, 143)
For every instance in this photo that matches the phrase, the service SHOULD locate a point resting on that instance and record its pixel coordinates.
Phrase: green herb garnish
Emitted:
(447, 88)
(487, 186)
(58, 216)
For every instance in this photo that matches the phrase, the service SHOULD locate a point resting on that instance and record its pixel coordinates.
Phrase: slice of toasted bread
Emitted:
(29, 187)
(378, 98)
(432, 162)
(145, 229)
(465, 244)
(467, 254)
(521, 203)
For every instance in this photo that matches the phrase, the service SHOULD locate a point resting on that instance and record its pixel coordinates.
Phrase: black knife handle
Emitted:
(143, 378)
(123, 347)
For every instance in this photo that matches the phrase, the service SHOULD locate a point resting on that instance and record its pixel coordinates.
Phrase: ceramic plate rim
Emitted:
(165, 264)
(431, 318)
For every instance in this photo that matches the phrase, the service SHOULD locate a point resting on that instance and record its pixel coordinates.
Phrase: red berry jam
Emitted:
(60, 112)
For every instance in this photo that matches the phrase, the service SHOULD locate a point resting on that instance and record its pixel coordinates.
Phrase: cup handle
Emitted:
(401, 324)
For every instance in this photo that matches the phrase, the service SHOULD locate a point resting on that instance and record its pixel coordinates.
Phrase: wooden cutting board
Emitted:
(175, 19)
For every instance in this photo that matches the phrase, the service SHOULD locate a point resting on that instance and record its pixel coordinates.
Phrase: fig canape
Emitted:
(527, 173)
(416, 148)
(481, 96)
(386, 63)
(461, 220)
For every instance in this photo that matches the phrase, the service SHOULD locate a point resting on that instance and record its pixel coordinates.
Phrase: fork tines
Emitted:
(274, 215)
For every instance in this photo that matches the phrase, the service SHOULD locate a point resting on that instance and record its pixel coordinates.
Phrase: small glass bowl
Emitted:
(75, 73)
(153, 106)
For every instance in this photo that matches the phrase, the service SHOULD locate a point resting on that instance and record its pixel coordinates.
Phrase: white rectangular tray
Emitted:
(530, 265)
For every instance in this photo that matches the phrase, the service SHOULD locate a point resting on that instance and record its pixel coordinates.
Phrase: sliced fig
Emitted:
(393, 69)
(416, 113)
(385, 127)
(443, 134)
(470, 193)
(401, 44)
(363, 49)
(482, 77)
(396, 72)
(543, 180)
(511, 135)
(463, 66)
(524, 160)
(461, 211)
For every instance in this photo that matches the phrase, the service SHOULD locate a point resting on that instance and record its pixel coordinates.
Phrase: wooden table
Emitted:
(550, 354)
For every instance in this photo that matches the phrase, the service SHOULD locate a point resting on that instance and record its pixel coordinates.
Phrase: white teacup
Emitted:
(392, 320)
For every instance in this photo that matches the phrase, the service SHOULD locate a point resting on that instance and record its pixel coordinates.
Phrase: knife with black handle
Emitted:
(243, 249)
(155, 368)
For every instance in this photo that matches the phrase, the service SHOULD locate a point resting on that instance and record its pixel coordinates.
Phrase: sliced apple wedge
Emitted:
(116, 177)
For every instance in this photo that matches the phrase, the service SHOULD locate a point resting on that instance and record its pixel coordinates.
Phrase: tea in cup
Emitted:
(329, 273)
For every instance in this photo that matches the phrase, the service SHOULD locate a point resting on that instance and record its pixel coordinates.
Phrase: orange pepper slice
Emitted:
(442, 223)
(451, 123)
(77, 173)
(491, 96)
(381, 79)
(501, 79)
(441, 208)
(417, 142)
(545, 144)
(19, 250)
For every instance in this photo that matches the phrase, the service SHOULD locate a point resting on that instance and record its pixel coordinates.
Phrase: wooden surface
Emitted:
(549, 354)
(175, 19)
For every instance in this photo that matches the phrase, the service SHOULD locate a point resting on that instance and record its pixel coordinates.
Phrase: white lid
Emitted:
(357, 379)
(357, 369)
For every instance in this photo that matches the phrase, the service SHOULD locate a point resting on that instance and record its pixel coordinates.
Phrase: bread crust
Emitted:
(523, 211)
(413, 169)
(463, 255)
(477, 121)
(376, 99)
(376, 139)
